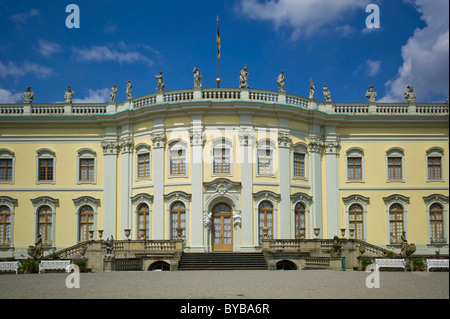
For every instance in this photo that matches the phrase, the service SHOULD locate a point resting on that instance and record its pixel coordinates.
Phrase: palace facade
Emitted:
(222, 166)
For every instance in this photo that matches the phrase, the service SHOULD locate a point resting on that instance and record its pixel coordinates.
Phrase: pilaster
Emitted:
(315, 149)
(332, 148)
(284, 147)
(109, 145)
(158, 138)
(247, 142)
(126, 148)
(197, 139)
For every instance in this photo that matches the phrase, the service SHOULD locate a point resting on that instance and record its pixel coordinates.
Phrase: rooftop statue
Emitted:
(68, 96)
(280, 80)
(410, 95)
(243, 78)
(161, 86)
(312, 89)
(326, 93)
(371, 94)
(197, 78)
(129, 90)
(28, 96)
(113, 94)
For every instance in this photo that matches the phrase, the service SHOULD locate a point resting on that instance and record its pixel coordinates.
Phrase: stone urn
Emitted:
(142, 234)
(352, 233)
(317, 232)
(179, 232)
(127, 233)
(265, 231)
(343, 232)
(100, 234)
(362, 249)
(412, 248)
(302, 233)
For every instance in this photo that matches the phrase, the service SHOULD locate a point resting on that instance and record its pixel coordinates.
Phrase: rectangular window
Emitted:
(299, 165)
(265, 162)
(177, 162)
(354, 168)
(434, 168)
(87, 170)
(46, 169)
(6, 170)
(144, 165)
(222, 160)
(394, 168)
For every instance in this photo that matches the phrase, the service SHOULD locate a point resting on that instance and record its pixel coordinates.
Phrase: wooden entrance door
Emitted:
(222, 228)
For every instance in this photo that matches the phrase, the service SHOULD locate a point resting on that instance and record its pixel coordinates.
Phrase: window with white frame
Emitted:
(299, 161)
(5, 225)
(222, 152)
(355, 165)
(6, 166)
(265, 158)
(87, 163)
(395, 162)
(143, 161)
(437, 222)
(45, 162)
(178, 159)
(435, 164)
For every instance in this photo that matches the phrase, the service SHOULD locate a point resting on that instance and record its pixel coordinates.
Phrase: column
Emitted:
(247, 141)
(315, 149)
(109, 145)
(159, 142)
(332, 147)
(284, 147)
(197, 138)
(126, 148)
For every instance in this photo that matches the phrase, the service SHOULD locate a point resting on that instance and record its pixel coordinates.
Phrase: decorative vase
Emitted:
(343, 232)
(127, 233)
(100, 234)
(316, 232)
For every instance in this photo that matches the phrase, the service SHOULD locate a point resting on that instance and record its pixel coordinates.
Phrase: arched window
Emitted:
(178, 219)
(437, 223)
(143, 221)
(177, 158)
(395, 223)
(356, 221)
(299, 212)
(45, 225)
(5, 226)
(265, 215)
(86, 222)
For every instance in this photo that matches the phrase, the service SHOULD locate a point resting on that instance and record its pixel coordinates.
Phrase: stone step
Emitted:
(222, 261)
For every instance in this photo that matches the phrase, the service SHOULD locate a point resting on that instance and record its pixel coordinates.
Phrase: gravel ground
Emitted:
(306, 284)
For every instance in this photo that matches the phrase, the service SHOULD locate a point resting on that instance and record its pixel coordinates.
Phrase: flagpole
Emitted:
(218, 54)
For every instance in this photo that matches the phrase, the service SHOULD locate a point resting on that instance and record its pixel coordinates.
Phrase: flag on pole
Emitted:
(218, 39)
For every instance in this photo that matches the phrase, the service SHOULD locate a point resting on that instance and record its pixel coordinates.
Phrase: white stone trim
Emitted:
(81, 202)
(11, 203)
(38, 203)
(395, 152)
(435, 152)
(443, 201)
(45, 153)
(86, 153)
(6, 154)
(301, 148)
(353, 153)
(141, 149)
(402, 201)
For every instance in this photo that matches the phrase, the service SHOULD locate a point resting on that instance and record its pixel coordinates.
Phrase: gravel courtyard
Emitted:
(310, 284)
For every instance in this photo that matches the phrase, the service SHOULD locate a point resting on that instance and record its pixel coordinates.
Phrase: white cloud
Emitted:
(11, 69)
(21, 18)
(47, 48)
(306, 17)
(9, 97)
(94, 96)
(122, 54)
(373, 67)
(425, 56)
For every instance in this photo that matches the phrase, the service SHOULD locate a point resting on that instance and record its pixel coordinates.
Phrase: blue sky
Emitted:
(327, 41)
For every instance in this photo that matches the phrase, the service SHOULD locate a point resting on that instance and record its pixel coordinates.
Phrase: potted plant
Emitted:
(81, 263)
(29, 266)
(365, 262)
(418, 264)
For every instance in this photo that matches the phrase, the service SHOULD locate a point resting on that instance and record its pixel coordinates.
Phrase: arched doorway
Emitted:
(222, 228)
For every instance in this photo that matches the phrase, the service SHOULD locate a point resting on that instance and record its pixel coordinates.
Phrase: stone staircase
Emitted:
(223, 261)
